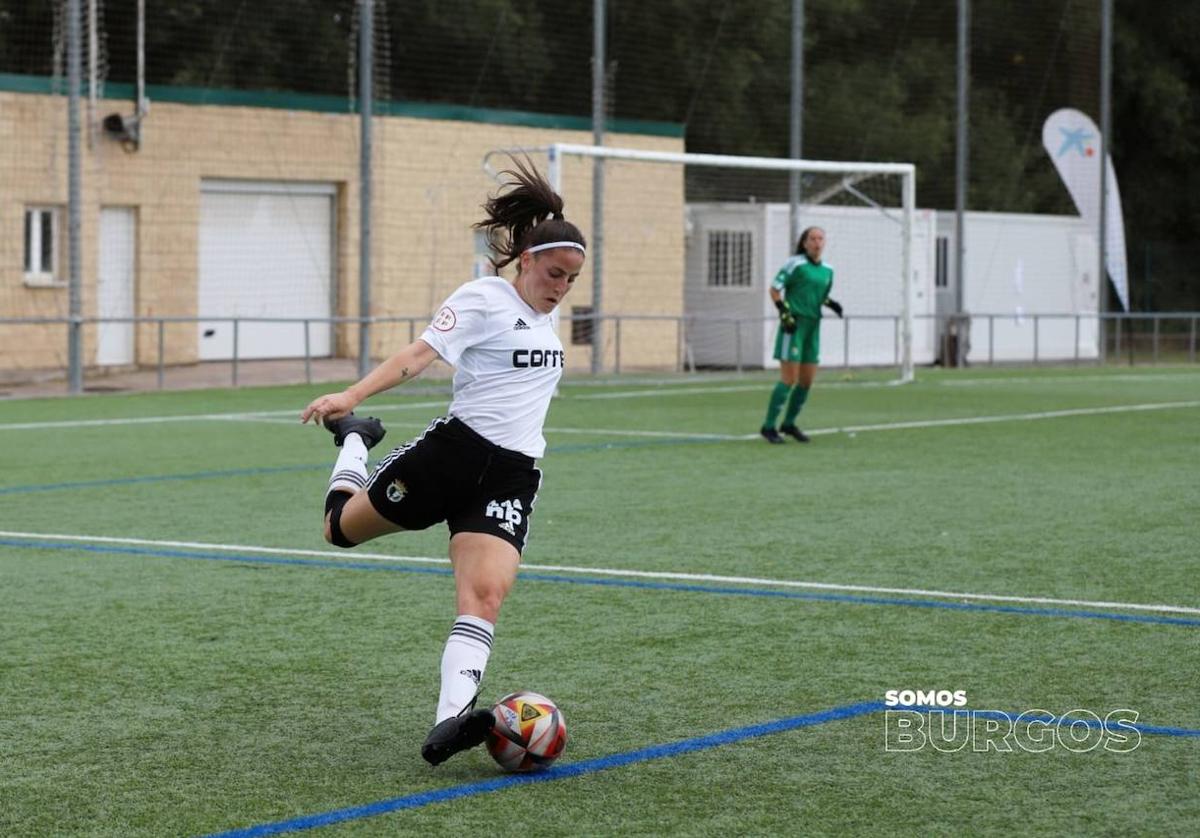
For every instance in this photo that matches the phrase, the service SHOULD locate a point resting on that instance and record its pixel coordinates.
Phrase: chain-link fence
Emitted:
(879, 75)
(167, 201)
(698, 344)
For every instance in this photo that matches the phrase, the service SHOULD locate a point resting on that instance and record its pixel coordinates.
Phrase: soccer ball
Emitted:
(529, 734)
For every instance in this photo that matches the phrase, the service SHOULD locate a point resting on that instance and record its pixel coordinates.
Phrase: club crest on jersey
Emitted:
(396, 491)
(445, 319)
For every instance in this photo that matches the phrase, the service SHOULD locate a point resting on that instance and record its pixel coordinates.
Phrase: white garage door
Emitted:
(266, 250)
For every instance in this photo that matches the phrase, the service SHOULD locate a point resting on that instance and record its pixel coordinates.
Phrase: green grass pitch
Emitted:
(182, 654)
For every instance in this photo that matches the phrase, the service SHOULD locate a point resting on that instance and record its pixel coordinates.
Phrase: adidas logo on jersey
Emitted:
(520, 324)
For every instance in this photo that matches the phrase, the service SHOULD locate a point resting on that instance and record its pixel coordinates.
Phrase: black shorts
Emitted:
(450, 473)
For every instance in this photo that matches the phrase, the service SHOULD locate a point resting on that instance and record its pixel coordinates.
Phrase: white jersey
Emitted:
(507, 359)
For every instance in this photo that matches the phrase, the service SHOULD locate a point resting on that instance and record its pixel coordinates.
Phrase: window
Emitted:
(730, 259)
(581, 325)
(941, 276)
(41, 245)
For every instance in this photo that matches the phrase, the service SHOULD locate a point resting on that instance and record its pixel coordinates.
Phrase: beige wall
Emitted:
(429, 185)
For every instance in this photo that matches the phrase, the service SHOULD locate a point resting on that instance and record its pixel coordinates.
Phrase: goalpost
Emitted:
(705, 234)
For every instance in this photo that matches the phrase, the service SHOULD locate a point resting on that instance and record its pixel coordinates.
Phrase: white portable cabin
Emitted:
(1030, 288)
(734, 251)
(1030, 291)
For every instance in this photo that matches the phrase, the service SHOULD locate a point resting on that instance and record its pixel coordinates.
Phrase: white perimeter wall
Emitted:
(1030, 284)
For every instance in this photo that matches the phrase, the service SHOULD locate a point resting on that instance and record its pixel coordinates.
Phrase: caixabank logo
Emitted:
(939, 720)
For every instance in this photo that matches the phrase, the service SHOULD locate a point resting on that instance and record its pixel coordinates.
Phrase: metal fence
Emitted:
(679, 343)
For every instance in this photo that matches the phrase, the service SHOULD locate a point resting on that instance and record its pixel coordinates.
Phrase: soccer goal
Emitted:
(690, 243)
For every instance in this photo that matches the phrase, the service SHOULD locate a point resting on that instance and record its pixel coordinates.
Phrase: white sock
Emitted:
(463, 663)
(350, 470)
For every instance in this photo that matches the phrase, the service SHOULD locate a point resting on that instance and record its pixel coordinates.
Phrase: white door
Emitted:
(1085, 299)
(114, 285)
(266, 250)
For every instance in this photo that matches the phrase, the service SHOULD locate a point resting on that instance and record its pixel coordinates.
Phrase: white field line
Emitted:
(600, 571)
(666, 390)
(1072, 379)
(763, 386)
(579, 431)
(629, 432)
(619, 432)
(1009, 417)
(899, 426)
(196, 417)
(688, 389)
(887, 426)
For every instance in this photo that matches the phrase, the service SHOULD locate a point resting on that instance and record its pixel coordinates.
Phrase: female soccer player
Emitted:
(799, 290)
(475, 468)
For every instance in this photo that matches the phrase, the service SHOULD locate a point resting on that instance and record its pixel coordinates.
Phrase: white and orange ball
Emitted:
(529, 734)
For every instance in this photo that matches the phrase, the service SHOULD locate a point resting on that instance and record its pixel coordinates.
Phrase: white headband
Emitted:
(549, 245)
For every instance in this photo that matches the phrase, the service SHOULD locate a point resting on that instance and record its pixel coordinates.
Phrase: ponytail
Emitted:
(526, 213)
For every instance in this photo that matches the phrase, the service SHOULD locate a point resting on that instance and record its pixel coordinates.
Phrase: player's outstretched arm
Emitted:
(406, 364)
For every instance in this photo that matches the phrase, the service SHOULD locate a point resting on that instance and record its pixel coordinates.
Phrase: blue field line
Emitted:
(870, 600)
(158, 552)
(607, 582)
(557, 772)
(581, 447)
(157, 478)
(591, 766)
(570, 448)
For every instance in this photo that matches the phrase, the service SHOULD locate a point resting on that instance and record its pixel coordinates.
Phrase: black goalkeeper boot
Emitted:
(772, 436)
(794, 432)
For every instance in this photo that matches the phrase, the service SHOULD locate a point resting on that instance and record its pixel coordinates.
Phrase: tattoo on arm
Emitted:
(404, 373)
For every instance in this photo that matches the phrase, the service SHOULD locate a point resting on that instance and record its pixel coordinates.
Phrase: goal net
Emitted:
(689, 244)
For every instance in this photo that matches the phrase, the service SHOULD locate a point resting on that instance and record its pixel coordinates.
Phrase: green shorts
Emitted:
(802, 346)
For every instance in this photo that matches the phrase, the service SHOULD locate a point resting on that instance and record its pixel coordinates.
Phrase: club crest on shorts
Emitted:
(396, 491)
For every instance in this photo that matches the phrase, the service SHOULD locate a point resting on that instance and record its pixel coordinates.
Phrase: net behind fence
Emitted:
(688, 252)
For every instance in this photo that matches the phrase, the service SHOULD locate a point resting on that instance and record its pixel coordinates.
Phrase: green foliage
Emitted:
(879, 80)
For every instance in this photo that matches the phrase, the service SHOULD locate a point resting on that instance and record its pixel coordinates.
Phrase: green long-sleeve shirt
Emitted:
(804, 285)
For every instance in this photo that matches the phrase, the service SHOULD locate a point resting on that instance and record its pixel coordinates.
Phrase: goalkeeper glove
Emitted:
(835, 306)
(786, 319)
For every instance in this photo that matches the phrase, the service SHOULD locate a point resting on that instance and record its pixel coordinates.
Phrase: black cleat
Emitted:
(794, 432)
(772, 436)
(457, 733)
(369, 428)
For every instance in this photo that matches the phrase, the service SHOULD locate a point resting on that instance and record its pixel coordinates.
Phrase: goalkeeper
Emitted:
(799, 290)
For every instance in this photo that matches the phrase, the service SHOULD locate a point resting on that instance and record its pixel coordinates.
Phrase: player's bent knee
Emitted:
(490, 601)
(334, 504)
(488, 598)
